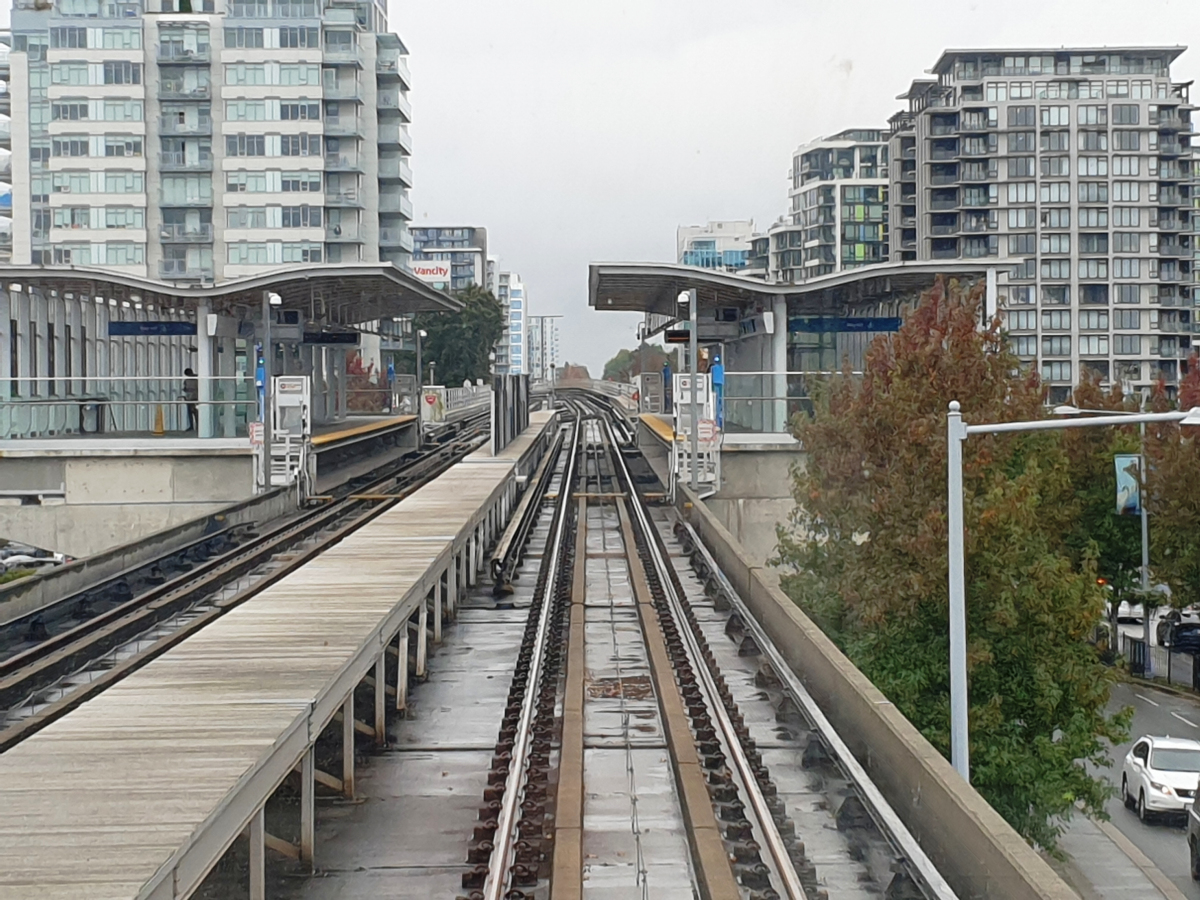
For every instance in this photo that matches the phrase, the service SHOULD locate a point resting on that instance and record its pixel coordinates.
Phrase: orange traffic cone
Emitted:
(158, 430)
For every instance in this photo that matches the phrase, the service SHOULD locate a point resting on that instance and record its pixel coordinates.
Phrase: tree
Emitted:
(866, 556)
(1173, 501)
(646, 358)
(459, 343)
(1099, 532)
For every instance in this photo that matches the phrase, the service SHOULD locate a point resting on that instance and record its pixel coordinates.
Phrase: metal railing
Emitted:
(44, 407)
(172, 125)
(177, 160)
(179, 234)
(179, 268)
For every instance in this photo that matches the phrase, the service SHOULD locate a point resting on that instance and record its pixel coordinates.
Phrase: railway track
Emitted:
(653, 743)
(90, 645)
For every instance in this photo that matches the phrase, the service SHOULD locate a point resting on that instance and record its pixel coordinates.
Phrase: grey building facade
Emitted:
(194, 146)
(1071, 169)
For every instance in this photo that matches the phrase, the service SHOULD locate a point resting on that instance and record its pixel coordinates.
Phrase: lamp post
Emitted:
(419, 398)
(689, 297)
(269, 299)
(1066, 410)
(957, 433)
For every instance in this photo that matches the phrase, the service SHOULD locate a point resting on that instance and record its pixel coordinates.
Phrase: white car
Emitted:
(1160, 775)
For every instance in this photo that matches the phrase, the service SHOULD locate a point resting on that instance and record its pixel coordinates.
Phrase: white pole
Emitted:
(1143, 471)
(956, 433)
(695, 414)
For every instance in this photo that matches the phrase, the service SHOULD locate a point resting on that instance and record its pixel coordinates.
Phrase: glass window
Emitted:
(1093, 192)
(1056, 115)
(1093, 243)
(1022, 141)
(1056, 371)
(1059, 345)
(1129, 293)
(1021, 116)
(1057, 165)
(1127, 140)
(1055, 243)
(122, 73)
(1056, 140)
(1093, 115)
(1127, 319)
(1127, 242)
(1093, 268)
(1056, 268)
(1127, 344)
(1021, 167)
(1125, 113)
(243, 37)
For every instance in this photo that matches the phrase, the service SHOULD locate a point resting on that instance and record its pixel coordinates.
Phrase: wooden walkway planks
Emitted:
(158, 774)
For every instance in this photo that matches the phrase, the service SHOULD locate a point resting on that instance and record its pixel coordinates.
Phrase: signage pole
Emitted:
(420, 389)
(266, 352)
(695, 407)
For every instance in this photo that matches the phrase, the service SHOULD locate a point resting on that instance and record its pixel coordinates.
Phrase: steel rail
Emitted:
(885, 817)
(504, 845)
(508, 550)
(784, 868)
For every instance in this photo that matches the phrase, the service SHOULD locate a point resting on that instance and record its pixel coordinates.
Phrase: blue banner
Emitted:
(825, 325)
(1129, 488)
(155, 329)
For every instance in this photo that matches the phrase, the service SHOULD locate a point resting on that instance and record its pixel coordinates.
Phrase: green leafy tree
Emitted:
(1099, 532)
(1173, 502)
(459, 343)
(866, 556)
(645, 358)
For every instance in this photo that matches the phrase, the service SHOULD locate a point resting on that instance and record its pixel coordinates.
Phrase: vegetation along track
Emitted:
(770, 801)
(94, 645)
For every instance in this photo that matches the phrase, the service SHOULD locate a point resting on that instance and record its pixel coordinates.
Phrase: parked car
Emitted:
(17, 556)
(1160, 775)
(1185, 638)
(1172, 617)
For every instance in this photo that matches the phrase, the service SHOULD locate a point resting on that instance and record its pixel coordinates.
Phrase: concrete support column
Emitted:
(258, 857)
(471, 569)
(452, 584)
(308, 807)
(437, 610)
(422, 637)
(204, 372)
(348, 746)
(402, 669)
(381, 700)
(779, 364)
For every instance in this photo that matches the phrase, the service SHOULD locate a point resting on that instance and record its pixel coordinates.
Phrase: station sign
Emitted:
(829, 324)
(151, 329)
(331, 337)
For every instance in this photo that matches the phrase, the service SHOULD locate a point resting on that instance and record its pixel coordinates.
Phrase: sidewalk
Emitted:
(1103, 864)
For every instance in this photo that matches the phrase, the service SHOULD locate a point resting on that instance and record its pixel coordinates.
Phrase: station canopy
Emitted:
(334, 293)
(654, 288)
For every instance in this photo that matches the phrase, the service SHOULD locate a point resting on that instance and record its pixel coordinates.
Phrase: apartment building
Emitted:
(511, 358)
(838, 209)
(200, 140)
(543, 347)
(6, 223)
(1072, 169)
(459, 251)
(717, 245)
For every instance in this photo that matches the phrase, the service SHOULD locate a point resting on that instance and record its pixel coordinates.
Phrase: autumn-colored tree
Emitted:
(1099, 532)
(646, 358)
(866, 556)
(1173, 502)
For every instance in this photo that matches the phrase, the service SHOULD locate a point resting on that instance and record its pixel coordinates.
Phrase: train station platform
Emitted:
(138, 792)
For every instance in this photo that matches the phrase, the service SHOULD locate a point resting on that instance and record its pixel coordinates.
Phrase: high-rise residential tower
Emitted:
(717, 245)
(510, 349)
(459, 251)
(838, 216)
(200, 140)
(1072, 169)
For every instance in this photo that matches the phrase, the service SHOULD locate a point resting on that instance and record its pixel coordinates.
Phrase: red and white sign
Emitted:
(431, 399)
(256, 434)
(432, 272)
(708, 435)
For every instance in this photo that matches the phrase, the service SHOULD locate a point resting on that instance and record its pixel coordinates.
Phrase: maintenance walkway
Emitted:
(140, 791)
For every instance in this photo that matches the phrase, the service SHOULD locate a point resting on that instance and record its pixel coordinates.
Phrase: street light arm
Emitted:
(1120, 419)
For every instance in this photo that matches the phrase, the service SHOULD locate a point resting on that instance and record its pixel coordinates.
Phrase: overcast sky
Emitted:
(579, 132)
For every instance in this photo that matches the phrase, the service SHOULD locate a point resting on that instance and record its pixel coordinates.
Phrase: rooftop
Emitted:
(655, 287)
(346, 293)
(946, 60)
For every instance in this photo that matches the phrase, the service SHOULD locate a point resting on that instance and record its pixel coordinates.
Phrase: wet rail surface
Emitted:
(610, 724)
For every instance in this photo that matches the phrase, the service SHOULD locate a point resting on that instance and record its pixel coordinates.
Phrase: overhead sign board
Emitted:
(826, 324)
(676, 335)
(331, 337)
(156, 329)
(431, 272)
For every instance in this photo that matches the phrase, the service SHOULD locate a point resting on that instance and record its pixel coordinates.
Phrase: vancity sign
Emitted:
(432, 272)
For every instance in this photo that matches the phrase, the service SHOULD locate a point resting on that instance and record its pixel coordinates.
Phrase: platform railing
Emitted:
(129, 405)
(766, 402)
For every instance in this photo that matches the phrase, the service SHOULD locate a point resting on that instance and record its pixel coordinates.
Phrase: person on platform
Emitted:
(191, 394)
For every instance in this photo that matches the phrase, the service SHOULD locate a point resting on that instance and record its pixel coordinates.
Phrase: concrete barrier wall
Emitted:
(28, 594)
(977, 852)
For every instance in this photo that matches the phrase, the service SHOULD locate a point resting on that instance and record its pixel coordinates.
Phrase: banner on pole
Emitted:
(1129, 488)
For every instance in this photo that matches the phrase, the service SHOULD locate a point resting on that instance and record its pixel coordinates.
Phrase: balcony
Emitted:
(179, 270)
(347, 233)
(186, 234)
(341, 90)
(395, 237)
(908, 221)
(1169, 122)
(343, 125)
(173, 52)
(169, 91)
(908, 153)
(943, 230)
(337, 162)
(395, 170)
(1171, 148)
(1172, 223)
(390, 65)
(1173, 171)
(1173, 248)
(1171, 197)
(342, 56)
(387, 101)
(940, 129)
(940, 179)
(342, 199)
(944, 203)
(177, 161)
(394, 135)
(395, 202)
(944, 153)
(201, 125)
(944, 253)
(977, 123)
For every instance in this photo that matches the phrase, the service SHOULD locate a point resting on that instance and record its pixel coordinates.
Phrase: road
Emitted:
(1155, 712)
